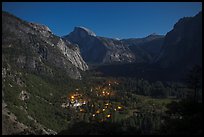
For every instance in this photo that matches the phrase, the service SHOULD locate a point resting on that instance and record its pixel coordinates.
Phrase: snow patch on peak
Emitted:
(87, 30)
(117, 39)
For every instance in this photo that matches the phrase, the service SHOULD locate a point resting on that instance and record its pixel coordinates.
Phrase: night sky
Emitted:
(109, 19)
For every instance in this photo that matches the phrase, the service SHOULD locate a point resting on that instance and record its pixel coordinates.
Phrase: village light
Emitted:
(119, 107)
(108, 116)
(93, 115)
(97, 111)
(72, 97)
(104, 109)
(84, 102)
(81, 110)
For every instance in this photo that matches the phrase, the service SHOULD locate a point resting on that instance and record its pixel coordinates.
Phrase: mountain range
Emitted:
(97, 50)
(103, 50)
(182, 42)
(180, 48)
(34, 47)
(40, 68)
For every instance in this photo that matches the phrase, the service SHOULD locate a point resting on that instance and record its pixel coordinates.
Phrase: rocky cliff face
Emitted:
(145, 49)
(142, 41)
(182, 46)
(116, 51)
(34, 47)
(102, 50)
(97, 49)
(72, 53)
(32, 58)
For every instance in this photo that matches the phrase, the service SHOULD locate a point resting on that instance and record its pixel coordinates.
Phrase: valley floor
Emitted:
(43, 105)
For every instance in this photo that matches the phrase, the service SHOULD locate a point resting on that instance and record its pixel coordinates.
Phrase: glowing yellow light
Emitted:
(104, 109)
(119, 107)
(108, 116)
(115, 109)
(72, 97)
(97, 111)
(106, 104)
(81, 110)
(93, 115)
(103, 92)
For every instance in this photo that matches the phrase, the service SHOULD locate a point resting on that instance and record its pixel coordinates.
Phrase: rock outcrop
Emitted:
(145, 49)
(99, 50)
(182, 47)
(37, 49)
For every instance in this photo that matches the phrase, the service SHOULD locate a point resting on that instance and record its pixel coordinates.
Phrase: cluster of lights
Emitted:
(107, 116)
(106, 93)
(104, 109)
(102, 91)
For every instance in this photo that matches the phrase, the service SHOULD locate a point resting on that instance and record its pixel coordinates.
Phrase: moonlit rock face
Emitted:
(87, 30)
(44, 50)
(95, 49)
(40, 27)
(44, 30)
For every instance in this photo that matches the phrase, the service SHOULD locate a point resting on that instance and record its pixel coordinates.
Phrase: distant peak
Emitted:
(154, 33)
(117, 39)
(86, 29)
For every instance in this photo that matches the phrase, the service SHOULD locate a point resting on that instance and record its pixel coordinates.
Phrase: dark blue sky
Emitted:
(109, 19)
